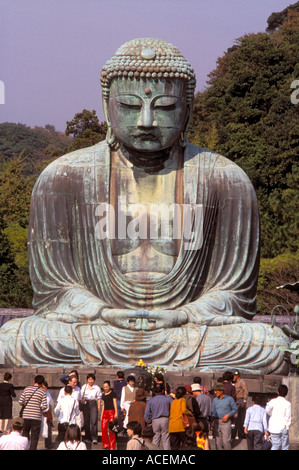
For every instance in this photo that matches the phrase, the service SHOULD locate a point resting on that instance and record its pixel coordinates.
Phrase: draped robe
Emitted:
(74, 276)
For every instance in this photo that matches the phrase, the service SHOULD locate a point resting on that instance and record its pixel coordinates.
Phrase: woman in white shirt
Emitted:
(128, 394)
(91, 396)
(72, 440)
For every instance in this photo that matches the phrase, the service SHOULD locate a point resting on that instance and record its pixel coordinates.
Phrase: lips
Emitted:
(145, 136)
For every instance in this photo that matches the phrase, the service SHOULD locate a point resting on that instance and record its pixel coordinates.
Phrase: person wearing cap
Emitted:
(204, 389)
(241, 401)
(223, 410)
(14, 440)
(205, 404)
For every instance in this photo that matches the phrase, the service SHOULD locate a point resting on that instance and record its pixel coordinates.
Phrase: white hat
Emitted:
(196, 388)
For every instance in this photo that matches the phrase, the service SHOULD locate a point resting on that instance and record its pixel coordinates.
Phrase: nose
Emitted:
(147, 118)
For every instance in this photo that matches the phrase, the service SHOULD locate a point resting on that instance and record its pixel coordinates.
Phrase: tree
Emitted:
(246, 114)
(276, 20)
(86, 129)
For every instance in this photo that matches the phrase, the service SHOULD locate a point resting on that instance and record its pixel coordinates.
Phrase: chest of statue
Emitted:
(146, 213)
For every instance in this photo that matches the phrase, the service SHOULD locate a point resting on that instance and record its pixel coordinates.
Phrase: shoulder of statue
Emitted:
(214, 164)
(96, 154)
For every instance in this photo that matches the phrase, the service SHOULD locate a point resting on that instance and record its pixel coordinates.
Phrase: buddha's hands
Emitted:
(144, 319)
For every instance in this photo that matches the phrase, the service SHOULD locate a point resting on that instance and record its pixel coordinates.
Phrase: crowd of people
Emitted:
(155, 417)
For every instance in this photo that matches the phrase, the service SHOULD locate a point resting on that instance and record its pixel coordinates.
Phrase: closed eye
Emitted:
(130, 106)
(169, 107)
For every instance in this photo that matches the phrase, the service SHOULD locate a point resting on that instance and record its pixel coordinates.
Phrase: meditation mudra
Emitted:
(143, 245)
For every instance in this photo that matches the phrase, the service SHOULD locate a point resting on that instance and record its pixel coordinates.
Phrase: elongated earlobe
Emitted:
(110, 136)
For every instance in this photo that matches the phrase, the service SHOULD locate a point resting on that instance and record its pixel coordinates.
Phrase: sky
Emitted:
(52, 51)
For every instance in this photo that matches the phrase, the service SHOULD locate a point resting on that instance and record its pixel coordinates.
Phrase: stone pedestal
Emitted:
(293, 396)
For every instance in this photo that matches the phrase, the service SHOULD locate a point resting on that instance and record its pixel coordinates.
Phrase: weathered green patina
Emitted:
(144, 245)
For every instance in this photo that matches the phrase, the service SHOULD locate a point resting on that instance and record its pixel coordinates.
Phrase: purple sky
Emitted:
(52, 51)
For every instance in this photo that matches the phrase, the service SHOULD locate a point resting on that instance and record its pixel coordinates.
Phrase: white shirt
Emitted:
(279, 410)
(93, 393)
(75, 394)
(49, 401)
(64, 410)
(123, 394)
(14, 441)
(72, 446)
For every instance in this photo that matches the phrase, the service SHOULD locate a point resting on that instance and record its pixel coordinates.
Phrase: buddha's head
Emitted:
(148, 91)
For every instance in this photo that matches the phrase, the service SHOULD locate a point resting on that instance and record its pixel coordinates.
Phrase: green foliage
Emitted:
(15, 288)
(34, 144)
(273, 273)
(86, 129)
(278, 18)
(246, 114)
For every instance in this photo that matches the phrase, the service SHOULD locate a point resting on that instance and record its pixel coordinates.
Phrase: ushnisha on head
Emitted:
(154, 67)
(148, 58)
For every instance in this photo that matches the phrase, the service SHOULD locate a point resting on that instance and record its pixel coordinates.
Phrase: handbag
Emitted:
(187, 420)
(83, 405)
(25, 404)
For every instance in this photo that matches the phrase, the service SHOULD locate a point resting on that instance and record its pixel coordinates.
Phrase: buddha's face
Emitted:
(147, 115)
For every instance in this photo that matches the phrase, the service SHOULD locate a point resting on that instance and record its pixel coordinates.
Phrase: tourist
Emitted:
(91, 404)
(7, 393)
(279, 410)
(202, 436)
(108, 414)
(223, 410)
(157, 413)
(33, 401)
(136, 442)
(147, 434)
(176, 427)
(65, 378)
(66, 409)
(229, 389)
(72, 439)
(255, 425)
(192, 403)
(197, 380)
(76, 391)
(190, 441)
(137, 408)
(118, 385)
(205, 404)
(241, 401)
(14, 440)
(159, 379)
(47, 419)
(127, 397)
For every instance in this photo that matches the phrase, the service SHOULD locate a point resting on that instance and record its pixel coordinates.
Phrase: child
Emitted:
(202, 440)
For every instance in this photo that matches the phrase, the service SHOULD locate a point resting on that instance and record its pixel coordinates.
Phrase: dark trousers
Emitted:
(90, 413)
(239, 421)
(255, 440)
(32, 431)
(177, 439)
(62, 428)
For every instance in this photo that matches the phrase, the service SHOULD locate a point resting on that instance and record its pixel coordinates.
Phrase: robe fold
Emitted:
(74, 275)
